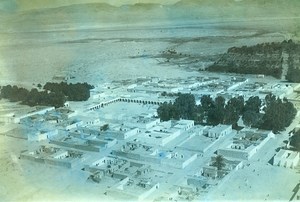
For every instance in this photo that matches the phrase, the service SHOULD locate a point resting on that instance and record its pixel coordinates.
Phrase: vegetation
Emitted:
(265, 58)
(295, 141)
(293, 74)
(219, 162)
(105, 127)
(73, 92)
(53, 95)
(251, 115)
(278, 113)
(169, 94)
(275, 114)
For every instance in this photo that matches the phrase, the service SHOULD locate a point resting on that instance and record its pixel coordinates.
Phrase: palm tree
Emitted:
(219, 162)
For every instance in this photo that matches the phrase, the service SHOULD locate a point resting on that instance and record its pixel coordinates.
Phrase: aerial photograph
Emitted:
(149, 100)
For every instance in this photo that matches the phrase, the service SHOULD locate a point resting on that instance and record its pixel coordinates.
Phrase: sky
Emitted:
(16, 5)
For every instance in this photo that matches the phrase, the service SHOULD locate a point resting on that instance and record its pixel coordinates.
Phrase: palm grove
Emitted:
(54, 94)
(250, 59)
(272, 113)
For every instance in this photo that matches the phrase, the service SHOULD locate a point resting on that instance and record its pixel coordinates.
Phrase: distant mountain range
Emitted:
(105, 14)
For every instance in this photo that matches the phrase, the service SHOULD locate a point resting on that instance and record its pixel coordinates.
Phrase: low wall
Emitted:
(80, 147)
(237, 154)
(127, 155)
(57, 162)
(32, 158)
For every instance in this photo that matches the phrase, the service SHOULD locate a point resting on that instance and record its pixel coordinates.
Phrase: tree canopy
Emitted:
(219, 162)
(55, 94)
(276, 114)
(295, 141)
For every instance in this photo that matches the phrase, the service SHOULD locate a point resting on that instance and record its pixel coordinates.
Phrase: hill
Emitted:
(267, 58)
(105, 14)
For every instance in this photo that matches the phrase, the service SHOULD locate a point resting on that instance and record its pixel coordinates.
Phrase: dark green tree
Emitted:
(231, 115)
(219, 162)
(219, 102)
(295, 141)
(253, 104)
(237, 104)
(206, 102)
(167, 111)
(163, 111)
(251, 118)
(278, 113)
(185, 104)
(199, 115)
(105, 127)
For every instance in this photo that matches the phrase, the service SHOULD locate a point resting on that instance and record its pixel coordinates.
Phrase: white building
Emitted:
(42, 135)
(184, 125)
(246, 143)
(286, 158)
(9, 118)
(219, 131)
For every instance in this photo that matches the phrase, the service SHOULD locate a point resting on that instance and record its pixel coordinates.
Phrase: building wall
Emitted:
(189, 160)
(80, 147)
(131, 133)
(196, 182)
(58, 162)
(74, 125)
(55, 162)
(170, 138)
(126, 155)
(37, 137)
(42, 111)
(152, 123)
(285, 162)
(237, 154)
(215, 134)
(32, 158)
(150, 191)
(9, 119)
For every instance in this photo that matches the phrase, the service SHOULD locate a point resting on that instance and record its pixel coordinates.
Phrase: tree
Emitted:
(216, 111)
(185, 104)
(105, 127)
(215, 115)
(73, 92)
(56, 97)
(206, 102)
(295, 141)
(167, 111)
(278, 113)
(163, 112)
(199, 115)
(251, 118)
(236, 104)
(231, 115)
(253, 104)
(219, 162)
(220, 102)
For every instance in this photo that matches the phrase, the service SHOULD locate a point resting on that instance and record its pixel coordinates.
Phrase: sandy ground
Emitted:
(97, 55)
(258, 182)
(26, 181)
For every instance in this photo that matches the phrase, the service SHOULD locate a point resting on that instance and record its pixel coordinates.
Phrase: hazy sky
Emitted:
(13, 5)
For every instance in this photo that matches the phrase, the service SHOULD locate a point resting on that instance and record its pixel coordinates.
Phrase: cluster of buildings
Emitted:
(246, 143)
(135, 155)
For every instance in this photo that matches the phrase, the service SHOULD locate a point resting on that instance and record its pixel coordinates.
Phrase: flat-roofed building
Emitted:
(219, 131)
(286, 158)
(246, 143)
(184, 125)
